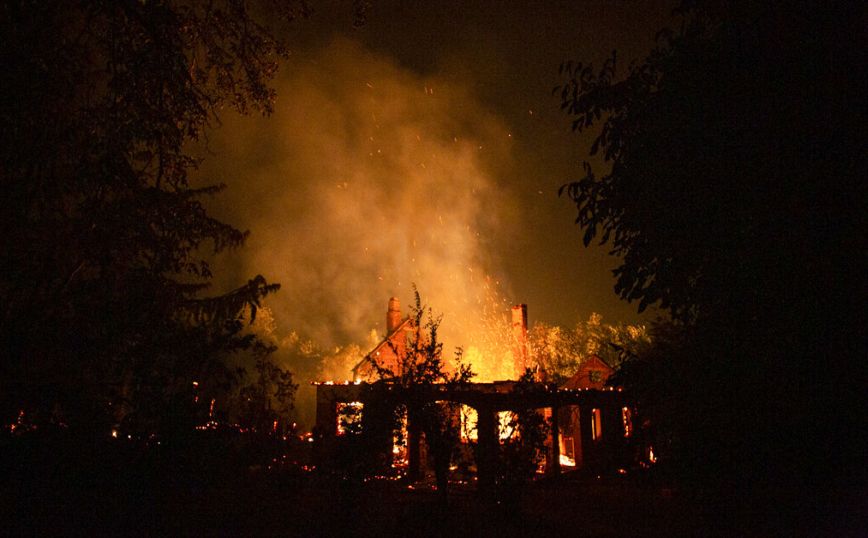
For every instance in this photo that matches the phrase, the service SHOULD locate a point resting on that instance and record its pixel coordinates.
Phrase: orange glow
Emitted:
(349, 415)
(627, 418)
(505, 425)
(400, 457)
(487, 336)
(469, 420)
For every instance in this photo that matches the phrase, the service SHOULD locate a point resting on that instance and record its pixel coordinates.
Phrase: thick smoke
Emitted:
(367, 179)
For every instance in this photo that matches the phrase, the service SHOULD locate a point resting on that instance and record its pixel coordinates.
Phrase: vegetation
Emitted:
(559, 351)
(524, 447)
(733, 157)
(419, 368)
(104, 246)
(308, 360)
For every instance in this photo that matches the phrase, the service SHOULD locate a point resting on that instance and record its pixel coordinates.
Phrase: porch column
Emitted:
(486, 462)
(553, 458)
(414, 468)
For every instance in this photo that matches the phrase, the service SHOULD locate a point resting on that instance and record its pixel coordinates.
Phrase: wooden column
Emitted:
(486, 461)
(414, 468)
(553, 458)
(325, 430)
(589, 448)
(576, 423)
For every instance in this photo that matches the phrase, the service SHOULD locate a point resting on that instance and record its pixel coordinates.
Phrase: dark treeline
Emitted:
(107, 318)
(112, 345)
(734, 156)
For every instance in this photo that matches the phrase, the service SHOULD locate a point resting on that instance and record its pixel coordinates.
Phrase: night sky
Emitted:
(425, 147)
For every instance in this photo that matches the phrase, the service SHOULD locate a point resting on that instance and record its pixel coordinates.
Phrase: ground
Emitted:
(289, 502)
(207, 488)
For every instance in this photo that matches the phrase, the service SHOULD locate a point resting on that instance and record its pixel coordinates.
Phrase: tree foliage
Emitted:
(734, 153)
(265, 398)
(559, 351)
(523, 448)
(416, 376)
(730, 153)
(104, 240)
(308, 360)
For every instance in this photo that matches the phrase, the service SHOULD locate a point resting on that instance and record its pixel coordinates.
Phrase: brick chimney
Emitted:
(393, 315)
(519, 339)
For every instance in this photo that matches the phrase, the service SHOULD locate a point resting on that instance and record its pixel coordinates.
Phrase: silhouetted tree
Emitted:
(522, 447)
(734, 154)
(268, 399)
(419, 373)
(103, 257)
(559, 351)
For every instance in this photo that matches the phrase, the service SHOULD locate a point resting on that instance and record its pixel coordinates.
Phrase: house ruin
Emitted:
(590, 424)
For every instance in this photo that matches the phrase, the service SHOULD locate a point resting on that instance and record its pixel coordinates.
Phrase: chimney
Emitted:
(519, 339)
(393, 315)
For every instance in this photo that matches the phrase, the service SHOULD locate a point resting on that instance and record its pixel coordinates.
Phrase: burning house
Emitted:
(590, 425)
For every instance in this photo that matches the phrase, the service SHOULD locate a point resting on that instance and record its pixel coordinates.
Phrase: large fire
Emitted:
(390, 183)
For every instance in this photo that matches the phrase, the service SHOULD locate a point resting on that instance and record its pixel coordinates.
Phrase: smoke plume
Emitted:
(368, 178)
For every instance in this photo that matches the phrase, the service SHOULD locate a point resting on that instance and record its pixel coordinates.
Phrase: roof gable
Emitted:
(593, 373)
(386, 344)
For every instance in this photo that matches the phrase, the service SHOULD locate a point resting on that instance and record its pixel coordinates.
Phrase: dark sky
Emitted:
(424, 147)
